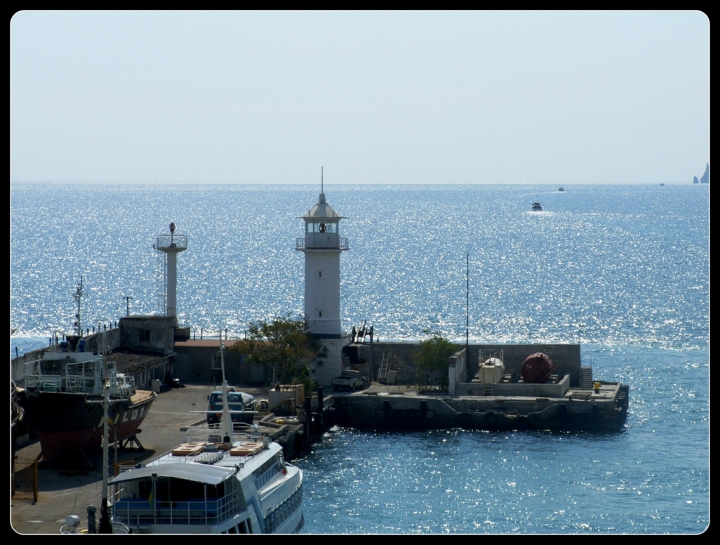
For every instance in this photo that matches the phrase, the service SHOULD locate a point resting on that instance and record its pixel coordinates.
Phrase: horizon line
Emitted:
(343, 183)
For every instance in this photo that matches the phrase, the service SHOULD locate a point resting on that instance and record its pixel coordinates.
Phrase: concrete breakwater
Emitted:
(488, 389)
(601, 410)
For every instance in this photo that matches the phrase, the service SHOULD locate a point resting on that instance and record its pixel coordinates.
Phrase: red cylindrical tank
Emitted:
(537, 368)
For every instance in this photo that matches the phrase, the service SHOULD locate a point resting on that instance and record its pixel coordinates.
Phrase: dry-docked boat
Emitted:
(62, 401)
(62, 398)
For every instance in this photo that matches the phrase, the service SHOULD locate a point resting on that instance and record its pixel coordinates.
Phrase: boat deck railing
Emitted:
(47, 383)
(76, 384)
(138, 512)
(211, 433)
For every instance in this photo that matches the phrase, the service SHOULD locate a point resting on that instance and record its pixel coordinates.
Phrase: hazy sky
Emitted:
(373, 97)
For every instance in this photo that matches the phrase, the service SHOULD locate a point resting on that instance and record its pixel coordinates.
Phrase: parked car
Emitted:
(236, 402)
(348, 380)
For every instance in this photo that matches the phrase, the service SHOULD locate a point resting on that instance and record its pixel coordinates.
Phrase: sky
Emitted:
(368, 97)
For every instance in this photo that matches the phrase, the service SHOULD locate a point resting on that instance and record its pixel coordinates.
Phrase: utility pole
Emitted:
(127, 301)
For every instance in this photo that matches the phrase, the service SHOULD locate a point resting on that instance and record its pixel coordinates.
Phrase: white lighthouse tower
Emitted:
(322, 246)
(171, 245)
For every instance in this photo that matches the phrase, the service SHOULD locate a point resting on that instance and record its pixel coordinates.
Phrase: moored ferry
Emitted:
(217, 482)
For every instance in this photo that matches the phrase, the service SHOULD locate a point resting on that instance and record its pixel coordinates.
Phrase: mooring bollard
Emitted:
(91, 519)
(320, 420)
(308, 420)
(35, 480)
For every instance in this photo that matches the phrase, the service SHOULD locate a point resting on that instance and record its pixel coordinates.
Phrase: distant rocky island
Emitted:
(705, 178)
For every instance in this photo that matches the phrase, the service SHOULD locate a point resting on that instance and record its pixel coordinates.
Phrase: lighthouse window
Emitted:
(322, 227)
(320, 313)
(319, 274)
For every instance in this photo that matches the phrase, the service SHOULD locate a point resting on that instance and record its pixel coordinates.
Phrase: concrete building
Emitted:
(198, 361)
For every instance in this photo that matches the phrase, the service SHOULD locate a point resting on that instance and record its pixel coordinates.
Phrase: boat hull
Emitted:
(67, 422)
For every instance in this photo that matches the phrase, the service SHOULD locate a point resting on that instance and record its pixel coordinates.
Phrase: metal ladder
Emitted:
(384, 366)
(586, 378)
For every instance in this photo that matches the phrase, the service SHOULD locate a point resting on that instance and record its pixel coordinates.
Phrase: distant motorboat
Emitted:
(561, 189)
(536, 207)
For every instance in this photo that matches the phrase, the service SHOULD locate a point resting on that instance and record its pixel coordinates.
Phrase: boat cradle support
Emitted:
(128, 443)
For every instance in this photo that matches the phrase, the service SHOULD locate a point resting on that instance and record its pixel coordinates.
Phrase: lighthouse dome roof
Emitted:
(322, 210)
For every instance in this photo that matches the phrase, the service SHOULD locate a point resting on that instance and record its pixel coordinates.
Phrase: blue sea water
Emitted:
(621, 269)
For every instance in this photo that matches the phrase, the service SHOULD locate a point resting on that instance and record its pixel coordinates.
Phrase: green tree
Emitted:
(432, 361)
(284, 345)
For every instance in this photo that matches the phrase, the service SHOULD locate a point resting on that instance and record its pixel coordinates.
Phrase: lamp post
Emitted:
(105, 524)
(467, 306)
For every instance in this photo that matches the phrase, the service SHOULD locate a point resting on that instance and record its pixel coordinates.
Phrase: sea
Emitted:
(622, 270)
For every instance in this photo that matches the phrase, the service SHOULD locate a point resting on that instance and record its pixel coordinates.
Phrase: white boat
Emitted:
(222, 483)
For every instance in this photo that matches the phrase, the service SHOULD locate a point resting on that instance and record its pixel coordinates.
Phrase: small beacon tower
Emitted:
(171, 245)
(322, 246)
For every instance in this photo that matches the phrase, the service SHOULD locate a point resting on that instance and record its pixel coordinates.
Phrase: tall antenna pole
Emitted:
(226, 424)
(467, 304)
(78, 297)
(321, 180)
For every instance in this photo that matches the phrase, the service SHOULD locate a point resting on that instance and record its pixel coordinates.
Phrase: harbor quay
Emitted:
(491, 387)
(600, 409)
(69, 489)
(44, 495)
(486, 390)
